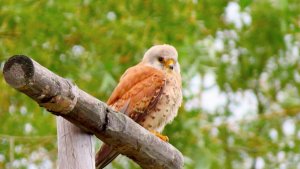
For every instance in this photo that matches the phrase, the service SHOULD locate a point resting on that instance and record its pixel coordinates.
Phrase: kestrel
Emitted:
(149, 93)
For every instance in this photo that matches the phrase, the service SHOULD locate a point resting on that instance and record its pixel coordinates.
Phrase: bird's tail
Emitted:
(104, 156)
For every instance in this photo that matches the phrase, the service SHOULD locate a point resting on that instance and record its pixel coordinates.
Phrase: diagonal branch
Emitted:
(62, 98)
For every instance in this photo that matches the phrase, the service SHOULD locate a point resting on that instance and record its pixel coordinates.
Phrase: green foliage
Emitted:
(255, 56)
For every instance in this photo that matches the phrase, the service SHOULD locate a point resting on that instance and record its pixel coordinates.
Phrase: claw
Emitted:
(162, 137)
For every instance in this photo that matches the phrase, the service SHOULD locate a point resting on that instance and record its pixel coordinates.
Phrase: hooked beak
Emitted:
(169, 63)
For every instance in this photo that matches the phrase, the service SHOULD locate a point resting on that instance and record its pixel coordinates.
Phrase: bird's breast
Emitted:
(167, 106)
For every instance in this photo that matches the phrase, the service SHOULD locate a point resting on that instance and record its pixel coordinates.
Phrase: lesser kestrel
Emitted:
(149, 93)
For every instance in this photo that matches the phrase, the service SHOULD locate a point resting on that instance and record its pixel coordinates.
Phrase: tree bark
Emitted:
(62, 98)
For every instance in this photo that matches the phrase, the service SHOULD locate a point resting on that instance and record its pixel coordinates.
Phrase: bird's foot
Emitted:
(162, 137)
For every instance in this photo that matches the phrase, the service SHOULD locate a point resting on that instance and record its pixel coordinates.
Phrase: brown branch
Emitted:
(62, 98)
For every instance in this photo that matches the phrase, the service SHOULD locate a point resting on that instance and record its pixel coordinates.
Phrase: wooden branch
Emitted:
(62, 98)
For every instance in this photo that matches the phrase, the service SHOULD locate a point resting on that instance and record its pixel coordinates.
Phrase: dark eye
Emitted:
(160, 59)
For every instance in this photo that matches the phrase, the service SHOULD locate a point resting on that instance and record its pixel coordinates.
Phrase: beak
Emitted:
(169, 64)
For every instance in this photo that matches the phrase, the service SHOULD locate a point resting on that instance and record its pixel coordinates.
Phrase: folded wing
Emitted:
(138, 91)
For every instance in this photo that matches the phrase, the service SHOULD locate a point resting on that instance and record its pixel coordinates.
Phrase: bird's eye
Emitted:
(160, 59)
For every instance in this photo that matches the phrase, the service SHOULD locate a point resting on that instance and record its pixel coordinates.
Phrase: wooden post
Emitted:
(63, 98)
(75, 147)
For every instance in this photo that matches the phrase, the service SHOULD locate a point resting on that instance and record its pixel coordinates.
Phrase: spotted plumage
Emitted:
(150, 92)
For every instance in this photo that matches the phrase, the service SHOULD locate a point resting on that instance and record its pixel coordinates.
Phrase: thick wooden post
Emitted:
(75, 147)
(64, 99)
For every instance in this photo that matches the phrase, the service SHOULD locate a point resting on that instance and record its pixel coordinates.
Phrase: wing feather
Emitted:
(138, 91)
(142, 86)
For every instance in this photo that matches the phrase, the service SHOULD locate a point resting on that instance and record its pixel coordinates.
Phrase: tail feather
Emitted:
(104, 156)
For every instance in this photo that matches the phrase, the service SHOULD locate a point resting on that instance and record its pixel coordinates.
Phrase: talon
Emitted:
(162, 137)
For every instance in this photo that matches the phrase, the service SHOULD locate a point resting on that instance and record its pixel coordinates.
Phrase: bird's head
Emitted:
(163, 57)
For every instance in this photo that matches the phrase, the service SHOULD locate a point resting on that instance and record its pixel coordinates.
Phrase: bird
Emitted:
(149, 93)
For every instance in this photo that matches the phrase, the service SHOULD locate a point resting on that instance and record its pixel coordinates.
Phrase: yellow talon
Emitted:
(162, 137)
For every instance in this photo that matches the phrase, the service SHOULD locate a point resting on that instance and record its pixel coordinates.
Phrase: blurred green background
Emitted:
(239, 60)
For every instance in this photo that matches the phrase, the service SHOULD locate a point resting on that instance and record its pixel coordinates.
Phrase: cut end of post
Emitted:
(18, 70)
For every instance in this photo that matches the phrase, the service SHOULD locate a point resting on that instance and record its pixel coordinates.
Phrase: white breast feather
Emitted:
(166, 108)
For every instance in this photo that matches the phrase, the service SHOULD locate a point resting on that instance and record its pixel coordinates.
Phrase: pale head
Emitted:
(163, 57)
